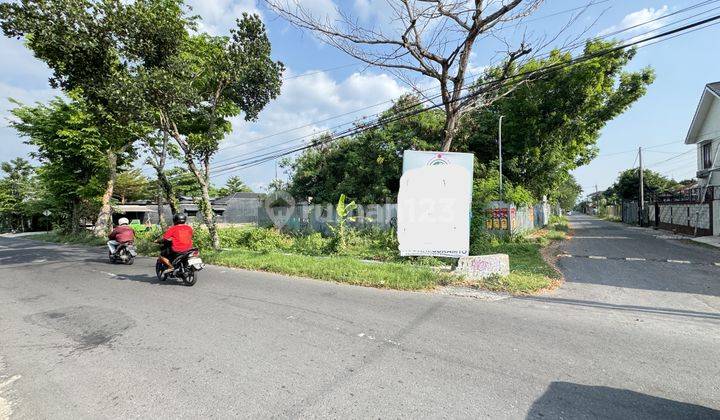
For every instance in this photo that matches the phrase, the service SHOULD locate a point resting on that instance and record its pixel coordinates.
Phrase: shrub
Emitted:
(312, 244)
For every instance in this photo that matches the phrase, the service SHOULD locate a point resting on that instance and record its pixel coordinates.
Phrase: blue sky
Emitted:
(311, 93)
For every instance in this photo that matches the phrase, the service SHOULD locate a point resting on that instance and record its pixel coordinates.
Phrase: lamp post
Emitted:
(500, 155)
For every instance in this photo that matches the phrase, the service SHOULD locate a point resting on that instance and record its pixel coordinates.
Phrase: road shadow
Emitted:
(23, 252)
(626, 308)
(147, 278)
(575, 401)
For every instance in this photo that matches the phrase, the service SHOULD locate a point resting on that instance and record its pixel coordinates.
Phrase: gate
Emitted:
(685, 212)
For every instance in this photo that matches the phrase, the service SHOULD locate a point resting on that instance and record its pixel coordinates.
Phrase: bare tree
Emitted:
(430, 38)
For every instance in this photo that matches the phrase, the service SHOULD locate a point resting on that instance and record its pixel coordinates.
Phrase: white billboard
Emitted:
(434, 204)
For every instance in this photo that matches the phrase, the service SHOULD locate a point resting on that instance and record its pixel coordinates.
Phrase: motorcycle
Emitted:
(186, 265)
(124, 253)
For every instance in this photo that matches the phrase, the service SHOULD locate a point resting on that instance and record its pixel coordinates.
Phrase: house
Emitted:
(235, 208)
(705, 133)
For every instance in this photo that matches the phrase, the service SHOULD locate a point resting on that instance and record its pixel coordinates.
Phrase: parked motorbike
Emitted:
(124, 253)
(186, 267)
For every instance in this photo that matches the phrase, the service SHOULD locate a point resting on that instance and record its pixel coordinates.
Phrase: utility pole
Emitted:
(597, 201)
(500, 154)
(642, 190)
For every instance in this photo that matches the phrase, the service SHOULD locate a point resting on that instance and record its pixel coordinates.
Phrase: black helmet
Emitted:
(179, 219)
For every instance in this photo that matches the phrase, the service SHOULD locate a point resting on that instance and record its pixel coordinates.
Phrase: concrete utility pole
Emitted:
(597, 200)
(641, 207)
(500, 154)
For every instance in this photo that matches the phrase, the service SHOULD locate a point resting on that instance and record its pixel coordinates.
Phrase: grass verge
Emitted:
(340, 269)
(64, 238)
(529, 271)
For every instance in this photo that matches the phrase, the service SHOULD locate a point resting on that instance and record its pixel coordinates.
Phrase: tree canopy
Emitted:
(71, 149)
(366, 167)
(627, 185)
(551, 125)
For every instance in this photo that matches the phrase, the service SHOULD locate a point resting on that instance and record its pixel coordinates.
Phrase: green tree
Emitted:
(552, 124)
(72, 152)
(15, 193)
(366, 167)
(102, 49)
(132, 185)
(233, 185)
(567, 193)
(184, 183)
(213, 79)
(627, 185)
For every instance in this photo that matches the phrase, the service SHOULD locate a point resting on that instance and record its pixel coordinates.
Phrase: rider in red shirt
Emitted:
(178, 237)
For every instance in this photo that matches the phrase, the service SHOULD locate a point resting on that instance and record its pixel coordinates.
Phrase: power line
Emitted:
(570, 47)
(545, 70)
(328, 131)
(561, 12)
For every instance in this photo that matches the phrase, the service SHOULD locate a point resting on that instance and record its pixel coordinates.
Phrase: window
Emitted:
(706, 155)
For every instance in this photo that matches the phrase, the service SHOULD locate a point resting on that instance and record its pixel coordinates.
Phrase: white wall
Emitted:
(710, 129)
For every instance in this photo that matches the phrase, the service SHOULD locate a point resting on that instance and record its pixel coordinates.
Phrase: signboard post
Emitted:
(47, 214)
(434, 204)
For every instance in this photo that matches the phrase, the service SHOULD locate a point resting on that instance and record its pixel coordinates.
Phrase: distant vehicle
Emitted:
(569, 212)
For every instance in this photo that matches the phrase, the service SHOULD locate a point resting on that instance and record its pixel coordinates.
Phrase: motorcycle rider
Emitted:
(122, 234)
(177, 239)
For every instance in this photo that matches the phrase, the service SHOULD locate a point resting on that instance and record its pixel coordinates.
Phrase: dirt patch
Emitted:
(88, 326)
(550, 255)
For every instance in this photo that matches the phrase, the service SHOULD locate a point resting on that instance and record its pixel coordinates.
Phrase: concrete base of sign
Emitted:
(477, 267)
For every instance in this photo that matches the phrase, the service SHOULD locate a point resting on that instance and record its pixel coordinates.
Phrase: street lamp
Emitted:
(500, 154)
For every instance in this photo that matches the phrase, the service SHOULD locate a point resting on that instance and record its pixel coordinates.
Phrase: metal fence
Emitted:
(686, 212)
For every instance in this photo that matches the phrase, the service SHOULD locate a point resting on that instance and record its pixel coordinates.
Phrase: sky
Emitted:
(323, 87)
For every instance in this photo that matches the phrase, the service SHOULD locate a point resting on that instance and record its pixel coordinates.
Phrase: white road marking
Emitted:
(597, 257)
(717, 264)
(601, 237)
(564, 255)
(634, 259)
(679, 261)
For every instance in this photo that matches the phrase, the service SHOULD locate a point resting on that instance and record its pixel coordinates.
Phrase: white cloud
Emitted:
(636, 20)
(305, 100)
(218, 16)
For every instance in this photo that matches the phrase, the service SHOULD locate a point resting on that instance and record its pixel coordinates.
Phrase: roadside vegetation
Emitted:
(364, 257)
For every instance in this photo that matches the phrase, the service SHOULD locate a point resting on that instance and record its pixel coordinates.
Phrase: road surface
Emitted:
(80, 338)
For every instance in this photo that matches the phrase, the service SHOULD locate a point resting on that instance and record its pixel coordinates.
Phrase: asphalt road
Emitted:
(80, 338)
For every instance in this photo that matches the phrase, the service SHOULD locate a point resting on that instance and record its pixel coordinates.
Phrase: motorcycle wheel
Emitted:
(130, 260)
(191, 277)
(159, 268)
(110, 257)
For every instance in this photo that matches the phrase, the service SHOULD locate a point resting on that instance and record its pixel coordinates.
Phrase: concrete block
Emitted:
(477, 267)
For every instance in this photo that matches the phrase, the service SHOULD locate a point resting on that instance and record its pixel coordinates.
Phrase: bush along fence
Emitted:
(253, 209)
(686, 212)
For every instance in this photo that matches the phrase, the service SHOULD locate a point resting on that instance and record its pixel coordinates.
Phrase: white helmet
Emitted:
(123, 221)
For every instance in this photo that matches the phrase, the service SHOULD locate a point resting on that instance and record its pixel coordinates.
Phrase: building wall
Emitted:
(710, 130)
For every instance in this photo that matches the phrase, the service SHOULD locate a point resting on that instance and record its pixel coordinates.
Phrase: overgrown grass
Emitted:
(529, 273)
(335, 268)
(316, 256)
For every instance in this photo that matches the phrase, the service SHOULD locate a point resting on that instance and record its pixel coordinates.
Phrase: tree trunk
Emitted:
(103, 220)
(167, 190)
(161, 215)
(75, 216)
(209, 216)
(449, 130)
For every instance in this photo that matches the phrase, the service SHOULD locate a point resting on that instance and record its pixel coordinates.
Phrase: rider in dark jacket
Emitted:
(122, 234)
